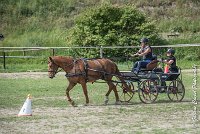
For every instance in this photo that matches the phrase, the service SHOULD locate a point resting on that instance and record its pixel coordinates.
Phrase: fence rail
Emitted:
(5, 50)
(25, 57)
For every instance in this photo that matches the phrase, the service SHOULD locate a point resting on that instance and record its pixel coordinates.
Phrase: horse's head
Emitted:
(52, 68)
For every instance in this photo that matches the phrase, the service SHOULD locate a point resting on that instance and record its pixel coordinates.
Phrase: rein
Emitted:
(86, 68)
(84, 73)
(55, 71)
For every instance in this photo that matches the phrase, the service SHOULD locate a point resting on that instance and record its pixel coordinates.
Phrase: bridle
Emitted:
(54, 70)
(73, 62)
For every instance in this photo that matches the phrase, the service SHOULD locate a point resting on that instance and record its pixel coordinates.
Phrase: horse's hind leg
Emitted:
(112, 87)
(70, 86)
(84, 87)
(107, 98)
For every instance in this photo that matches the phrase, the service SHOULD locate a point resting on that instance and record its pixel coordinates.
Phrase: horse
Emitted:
(81, 71)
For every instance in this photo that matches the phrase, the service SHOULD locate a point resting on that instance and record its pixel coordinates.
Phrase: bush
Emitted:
(112, 26)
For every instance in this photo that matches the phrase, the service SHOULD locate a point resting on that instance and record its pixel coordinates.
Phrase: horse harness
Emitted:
(86, 69)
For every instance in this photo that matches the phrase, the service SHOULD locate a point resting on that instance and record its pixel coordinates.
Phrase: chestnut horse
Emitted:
(85, 70)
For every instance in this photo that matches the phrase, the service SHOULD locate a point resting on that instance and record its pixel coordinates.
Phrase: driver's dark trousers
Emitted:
(140, 64)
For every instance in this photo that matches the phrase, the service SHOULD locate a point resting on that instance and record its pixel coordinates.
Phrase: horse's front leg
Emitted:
(70, 86)
(84, 87)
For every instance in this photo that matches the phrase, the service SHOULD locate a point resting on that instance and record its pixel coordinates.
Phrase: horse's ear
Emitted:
(50, 59)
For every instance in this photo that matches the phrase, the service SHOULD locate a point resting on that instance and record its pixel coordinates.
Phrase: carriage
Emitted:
(149, 83)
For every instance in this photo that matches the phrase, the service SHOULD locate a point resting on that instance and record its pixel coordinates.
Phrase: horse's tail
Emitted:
(121, 78)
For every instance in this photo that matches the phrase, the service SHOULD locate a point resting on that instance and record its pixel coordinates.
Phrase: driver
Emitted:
(146, 53)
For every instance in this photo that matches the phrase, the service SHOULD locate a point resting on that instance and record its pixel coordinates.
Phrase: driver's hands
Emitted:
(134, 55)
(160, 60)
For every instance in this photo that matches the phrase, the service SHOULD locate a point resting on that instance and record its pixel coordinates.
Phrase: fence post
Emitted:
(4, 60)
(24, 53)
(53, 52)
(101, 52)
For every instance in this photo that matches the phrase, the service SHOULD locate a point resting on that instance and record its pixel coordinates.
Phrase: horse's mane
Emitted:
(61, 58)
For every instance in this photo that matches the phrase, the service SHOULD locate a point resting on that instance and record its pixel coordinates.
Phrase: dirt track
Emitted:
(44, 74)
(26, 75)
(96, 119)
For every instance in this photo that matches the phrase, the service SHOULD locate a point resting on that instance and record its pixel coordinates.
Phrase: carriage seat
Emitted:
(153, 64)
(150, 66)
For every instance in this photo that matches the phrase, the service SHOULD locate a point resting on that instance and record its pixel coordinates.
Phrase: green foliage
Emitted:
(110, 26)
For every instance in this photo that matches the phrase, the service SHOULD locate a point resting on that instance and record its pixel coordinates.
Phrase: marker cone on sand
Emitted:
(26, 108)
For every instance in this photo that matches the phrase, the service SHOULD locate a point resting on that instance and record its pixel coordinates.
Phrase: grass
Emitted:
(43, 90)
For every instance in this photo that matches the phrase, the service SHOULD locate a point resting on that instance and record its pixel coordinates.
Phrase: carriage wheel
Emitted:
(126, 95)
(176, 91)
(148, 92)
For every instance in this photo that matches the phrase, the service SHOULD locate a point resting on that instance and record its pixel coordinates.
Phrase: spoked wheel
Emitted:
(148, 92)
(126, 95)
(176, 91)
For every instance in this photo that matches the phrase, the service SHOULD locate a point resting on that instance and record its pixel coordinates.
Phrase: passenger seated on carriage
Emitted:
(145, 52)
(171, 61)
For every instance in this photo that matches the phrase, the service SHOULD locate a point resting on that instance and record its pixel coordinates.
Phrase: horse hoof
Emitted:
(118, 103)
(73, 104)
(106, 100)
(87, 104)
